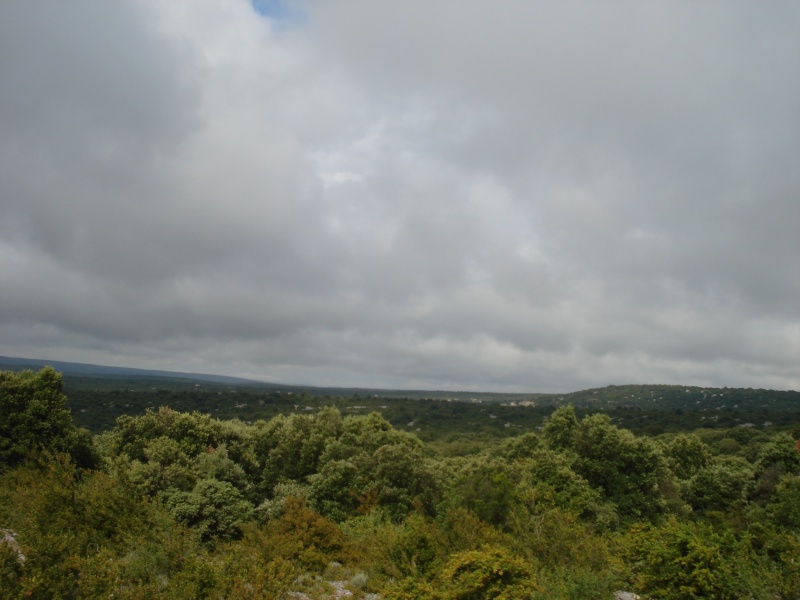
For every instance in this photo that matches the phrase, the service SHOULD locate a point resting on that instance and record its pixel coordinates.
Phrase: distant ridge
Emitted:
(9, 363)
(657, 396)
(72, 369)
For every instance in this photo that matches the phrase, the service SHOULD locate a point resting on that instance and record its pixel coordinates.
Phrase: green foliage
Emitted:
(171, 451)
(166, 466)
(88, 534)
(11, 568)
(776, 566)
(571, 583)
(215, 463)
(371, 465)
(719, 485)
(492, 573)
(251, 568)
(560, 429)
(192, 433)
(275, 507)
(171, 514)
(290, 447)
(688, 560)
(519, 447)
(365, 435)
(214, 508)
(557, 538)
(401, 479)
(489, 573)
(465, 531)
(675, 560)
(686, 455)
(784, 506)
(413, 549)
(486, 487)
(305, 536)
(549, 481)
(625, 467)
(336, 489)
(777, 457)
(34, 418)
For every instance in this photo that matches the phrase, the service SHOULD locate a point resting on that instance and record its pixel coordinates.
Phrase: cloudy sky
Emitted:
(511, 196)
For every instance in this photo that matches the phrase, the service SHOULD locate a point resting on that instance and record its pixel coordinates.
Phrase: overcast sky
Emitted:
(448, 194)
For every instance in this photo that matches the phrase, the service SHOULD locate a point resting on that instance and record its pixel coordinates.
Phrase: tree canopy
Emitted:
(182, 504)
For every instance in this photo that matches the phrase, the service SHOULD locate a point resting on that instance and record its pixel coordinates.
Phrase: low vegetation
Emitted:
(172, 503)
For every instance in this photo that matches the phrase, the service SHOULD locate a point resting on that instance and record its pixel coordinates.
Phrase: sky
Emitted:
(486, 195)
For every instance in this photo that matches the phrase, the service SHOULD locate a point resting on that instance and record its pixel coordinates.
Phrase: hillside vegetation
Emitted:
(96, 402)
(172, 503)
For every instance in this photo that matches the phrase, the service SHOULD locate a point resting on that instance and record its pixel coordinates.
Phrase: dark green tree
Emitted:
(784, 506)
(559, 430)
(335, 490)
(719, 485)
(487, 488)
(687, 454)
(776, 458)
(214, 508)
(34, 417)
(625, 467)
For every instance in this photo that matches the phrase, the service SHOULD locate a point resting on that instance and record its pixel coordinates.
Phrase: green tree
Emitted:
(34, 417)
(549, 481)
(11, 567)
(784, 506)
(486, 487)
(336, 489)
(215, 463)
(719, 485)
(520, 447)
(781, 451)
(560, 429)
(214, 508)
(778, 457)
(687, 454)
(287, 449)
(625, 467)
(165, 466)
(400, 479)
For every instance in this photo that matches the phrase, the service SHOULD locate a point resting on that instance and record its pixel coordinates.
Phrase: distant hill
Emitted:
(680, 397)
(644, 396)
(8, 363)
(145, 377)
(97, 395)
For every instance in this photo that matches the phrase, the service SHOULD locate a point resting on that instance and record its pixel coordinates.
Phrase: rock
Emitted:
(7, 537)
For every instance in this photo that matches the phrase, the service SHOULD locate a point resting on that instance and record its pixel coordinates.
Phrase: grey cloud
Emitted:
(489, 196)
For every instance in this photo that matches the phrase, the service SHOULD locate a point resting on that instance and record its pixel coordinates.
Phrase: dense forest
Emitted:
(97, 401)
(695, 495)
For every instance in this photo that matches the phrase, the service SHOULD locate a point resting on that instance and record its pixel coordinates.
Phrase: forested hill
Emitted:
(664, 397)
(672, 397)
(98, 395)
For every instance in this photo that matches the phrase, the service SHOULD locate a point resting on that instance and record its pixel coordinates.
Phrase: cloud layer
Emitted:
(507, 196)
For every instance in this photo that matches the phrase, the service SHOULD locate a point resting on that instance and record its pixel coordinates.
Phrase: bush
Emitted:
(214, 508)
(489, 574)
